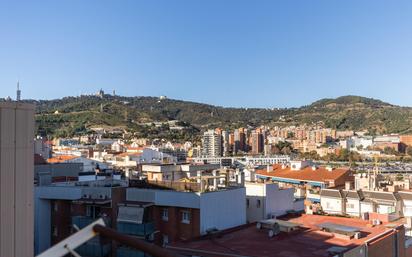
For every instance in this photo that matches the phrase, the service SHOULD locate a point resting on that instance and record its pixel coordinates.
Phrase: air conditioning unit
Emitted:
(376, 222)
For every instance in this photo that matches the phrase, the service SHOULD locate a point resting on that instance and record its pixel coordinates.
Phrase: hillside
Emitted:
(71, 115)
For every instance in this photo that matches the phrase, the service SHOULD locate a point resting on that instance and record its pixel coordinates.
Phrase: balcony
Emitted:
(140, 230)
(83, 221)
(94, 248)
(313, 195)
(129, 252)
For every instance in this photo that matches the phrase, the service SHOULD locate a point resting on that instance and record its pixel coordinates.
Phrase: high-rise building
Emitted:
(16, 179)
(257, 141)
(225, 142)
(212, 144)
(240, 140)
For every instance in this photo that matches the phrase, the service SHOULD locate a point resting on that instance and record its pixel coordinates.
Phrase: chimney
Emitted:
(269, 168)
(348, 185)
(329, 168)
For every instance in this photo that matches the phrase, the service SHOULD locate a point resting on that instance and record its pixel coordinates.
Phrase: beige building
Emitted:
(16, 179)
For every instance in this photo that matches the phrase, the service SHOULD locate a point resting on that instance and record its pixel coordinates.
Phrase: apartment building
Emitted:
(212, 144)
(180, 215)
(257, 143)
(60, 208)
(16, 179)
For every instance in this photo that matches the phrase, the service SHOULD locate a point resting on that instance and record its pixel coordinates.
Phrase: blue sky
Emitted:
(229, 53)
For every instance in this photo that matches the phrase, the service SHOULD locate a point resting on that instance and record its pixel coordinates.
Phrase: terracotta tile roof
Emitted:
(61, 158)
(128, 154)
(321, 174)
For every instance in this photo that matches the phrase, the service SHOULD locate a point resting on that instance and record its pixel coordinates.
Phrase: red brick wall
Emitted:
(61, 219)
(173, 227)
(391, 244)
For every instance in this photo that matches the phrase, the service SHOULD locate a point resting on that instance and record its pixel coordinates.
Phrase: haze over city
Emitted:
(265, 54)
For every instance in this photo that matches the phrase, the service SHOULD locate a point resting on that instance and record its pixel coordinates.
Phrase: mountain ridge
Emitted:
(75, 115)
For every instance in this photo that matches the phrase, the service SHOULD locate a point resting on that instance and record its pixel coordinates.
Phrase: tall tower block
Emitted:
(16, 179)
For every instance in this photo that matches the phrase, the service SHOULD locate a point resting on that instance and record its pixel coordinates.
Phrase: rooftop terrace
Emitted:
(309, 241)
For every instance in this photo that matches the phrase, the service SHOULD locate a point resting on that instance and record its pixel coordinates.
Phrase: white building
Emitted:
(266, 201)
(89, 165)
(212, 144)
(332, 201)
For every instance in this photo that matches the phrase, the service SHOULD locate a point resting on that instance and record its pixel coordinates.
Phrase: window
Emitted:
(88, 211)
(55, 207)
(350, 205)
(186, 217)
(258, 204)
(247, 203)
(165, 214)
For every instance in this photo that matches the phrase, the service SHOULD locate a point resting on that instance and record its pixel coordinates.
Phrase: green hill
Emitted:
(75, 115)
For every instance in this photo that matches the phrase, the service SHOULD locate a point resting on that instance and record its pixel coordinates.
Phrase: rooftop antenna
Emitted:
(18, 97)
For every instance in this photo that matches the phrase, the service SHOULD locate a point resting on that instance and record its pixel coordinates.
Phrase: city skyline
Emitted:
(266, 55)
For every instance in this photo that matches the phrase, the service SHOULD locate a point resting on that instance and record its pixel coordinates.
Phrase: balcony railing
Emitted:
(83, 221)
(140, 230)
(94, 248)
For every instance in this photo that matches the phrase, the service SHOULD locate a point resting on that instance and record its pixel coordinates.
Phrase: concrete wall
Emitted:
(273, 201)
(366, 207)
(222, 209)
(278, 201)
(332, 205)
(164, 197)
(59, 169)
(407, 208)
(353, 207)
(42, 225)
(16, 179)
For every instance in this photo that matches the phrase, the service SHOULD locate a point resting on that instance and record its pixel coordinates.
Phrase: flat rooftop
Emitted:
(309, 241)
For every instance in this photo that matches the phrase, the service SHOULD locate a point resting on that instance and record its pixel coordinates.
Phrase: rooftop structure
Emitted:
(308, 241)
(317, 176)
